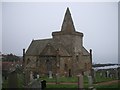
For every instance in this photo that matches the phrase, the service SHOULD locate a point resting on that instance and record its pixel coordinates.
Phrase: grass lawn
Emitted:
(19, 81)
(61, 79)
(61, 86)
(102, 79)
(75, 79)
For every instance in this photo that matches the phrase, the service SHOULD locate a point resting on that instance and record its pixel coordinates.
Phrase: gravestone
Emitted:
(80, 81)
(90, 81)
(101, 74)
(31, 76)
(107, 73)
(13, 80)
(50, 74)
(116, 73)
(93, 74)
(38, 76)
(57, 78)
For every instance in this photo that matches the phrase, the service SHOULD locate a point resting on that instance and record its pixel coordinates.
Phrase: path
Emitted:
(101, 83)
(108, 83)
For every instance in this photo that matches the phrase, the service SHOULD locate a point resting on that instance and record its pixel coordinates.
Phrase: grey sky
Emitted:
(22, 22)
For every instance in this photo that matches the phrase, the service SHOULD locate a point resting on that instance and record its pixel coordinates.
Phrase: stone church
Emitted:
(63, 54)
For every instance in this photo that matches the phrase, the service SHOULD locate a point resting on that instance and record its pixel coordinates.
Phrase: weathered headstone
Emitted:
(101, 74)
(90, 81)
(107, 73)
(57, 78)
(12, 80)
(50, 74)
(93, 74)
(80, 81)
(31, 76)
(116, 73)
(38, 76)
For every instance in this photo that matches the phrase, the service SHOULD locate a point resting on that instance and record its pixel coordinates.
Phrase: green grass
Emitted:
(61, 79)
(20, 82)
(114, 85)
(61, 86)
(5, 84)
(102, 79)
(75, 79)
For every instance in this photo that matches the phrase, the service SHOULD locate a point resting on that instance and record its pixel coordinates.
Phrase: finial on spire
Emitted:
(68, 11)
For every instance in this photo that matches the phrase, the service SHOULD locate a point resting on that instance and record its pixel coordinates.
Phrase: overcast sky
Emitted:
(22, 22)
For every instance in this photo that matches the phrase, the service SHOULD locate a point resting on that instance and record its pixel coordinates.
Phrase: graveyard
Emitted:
(16, 80)
(14, 77)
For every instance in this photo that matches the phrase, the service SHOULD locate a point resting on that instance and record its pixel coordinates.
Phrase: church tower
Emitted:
(68, 36)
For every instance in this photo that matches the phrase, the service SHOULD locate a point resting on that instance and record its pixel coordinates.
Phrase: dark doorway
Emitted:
(70, 75)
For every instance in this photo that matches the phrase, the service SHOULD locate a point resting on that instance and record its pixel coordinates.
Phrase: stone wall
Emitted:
(66, 40)
(78, 43)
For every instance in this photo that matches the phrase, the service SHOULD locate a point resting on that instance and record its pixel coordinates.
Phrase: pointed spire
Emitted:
(68, 25)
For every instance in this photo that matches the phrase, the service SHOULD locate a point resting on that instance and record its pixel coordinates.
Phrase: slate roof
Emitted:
(48, 47)
(40, 47)
(37, 46)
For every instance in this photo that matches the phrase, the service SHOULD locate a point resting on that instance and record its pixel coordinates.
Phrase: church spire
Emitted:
(68, 25)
